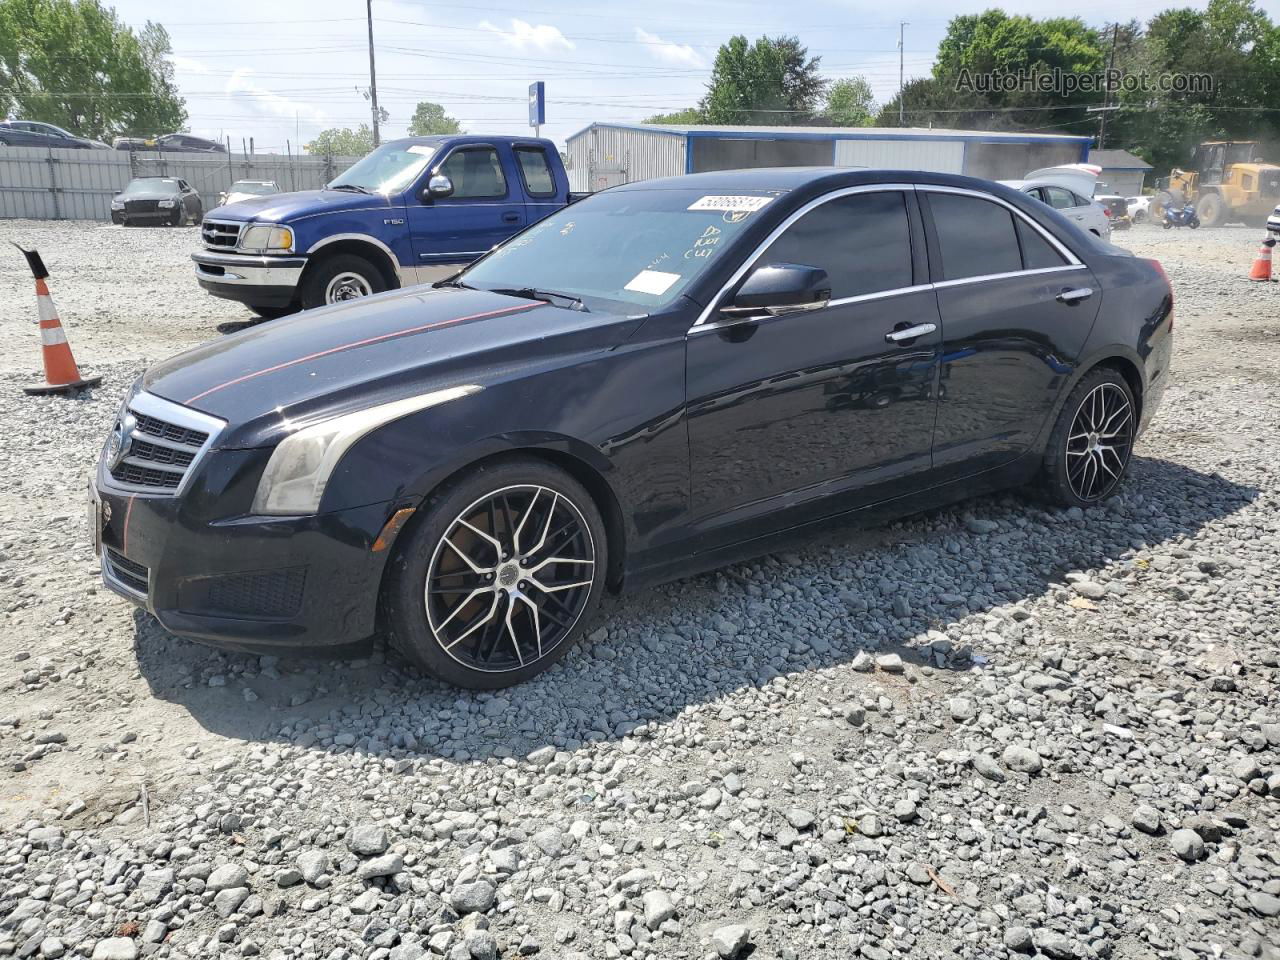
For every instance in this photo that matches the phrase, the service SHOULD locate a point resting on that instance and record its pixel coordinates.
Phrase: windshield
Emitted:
(249, 186)
(152, 185)
(389, 168)
(631, 247)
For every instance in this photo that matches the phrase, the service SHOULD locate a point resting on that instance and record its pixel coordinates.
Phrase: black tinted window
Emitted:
(475, 173)
(536, 171)
(976, 236)
(1036, 250)
(863, 241)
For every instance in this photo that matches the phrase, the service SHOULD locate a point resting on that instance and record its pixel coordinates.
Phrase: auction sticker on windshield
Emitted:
(732, 204)
(655, 282)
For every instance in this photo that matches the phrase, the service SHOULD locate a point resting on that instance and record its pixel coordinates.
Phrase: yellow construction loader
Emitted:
(1227, 180)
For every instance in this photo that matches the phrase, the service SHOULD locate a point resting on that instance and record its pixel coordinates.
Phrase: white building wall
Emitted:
(939, 156)
(602, 157)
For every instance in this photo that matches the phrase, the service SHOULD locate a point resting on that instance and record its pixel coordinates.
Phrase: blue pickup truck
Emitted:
(412, 211)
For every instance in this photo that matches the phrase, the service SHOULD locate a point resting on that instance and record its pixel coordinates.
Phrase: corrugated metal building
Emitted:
(607, 154)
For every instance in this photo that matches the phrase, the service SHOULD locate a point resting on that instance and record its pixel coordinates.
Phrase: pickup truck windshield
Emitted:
(390, 168)
(630, 247)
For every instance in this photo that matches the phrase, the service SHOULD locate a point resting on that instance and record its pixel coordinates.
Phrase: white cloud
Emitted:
(259, 99)
(187, 64)
(668, 51)
(527, 36)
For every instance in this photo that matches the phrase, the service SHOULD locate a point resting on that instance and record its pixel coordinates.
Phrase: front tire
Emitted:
(340, 278)
(1210, 211)
(273, 313)
(496, 577)
(1092, 442)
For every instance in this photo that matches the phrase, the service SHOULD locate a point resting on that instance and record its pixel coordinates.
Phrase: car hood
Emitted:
(1080, 177)
(284, 207)
(351, 355)
(147, 195)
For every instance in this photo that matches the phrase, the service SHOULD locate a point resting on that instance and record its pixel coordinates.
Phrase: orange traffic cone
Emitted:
(61, 375)
(1262, 263)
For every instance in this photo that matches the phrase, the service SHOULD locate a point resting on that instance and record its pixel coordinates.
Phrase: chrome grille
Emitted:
(220, 234)
(155, 444)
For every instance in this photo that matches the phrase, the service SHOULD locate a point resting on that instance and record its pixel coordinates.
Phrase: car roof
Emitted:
(795, 178)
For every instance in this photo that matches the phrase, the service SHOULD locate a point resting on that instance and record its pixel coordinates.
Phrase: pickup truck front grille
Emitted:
(220, 234)
(156, 444)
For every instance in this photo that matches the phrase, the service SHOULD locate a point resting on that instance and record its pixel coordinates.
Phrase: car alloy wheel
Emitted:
(510, 578)
(1100, 441)
(346, 285)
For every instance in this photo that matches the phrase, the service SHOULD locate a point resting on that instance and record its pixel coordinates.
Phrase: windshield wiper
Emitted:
(547, 296)
(451, 282)
(351, 186)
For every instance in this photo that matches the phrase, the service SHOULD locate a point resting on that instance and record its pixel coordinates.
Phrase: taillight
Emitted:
(1165, 277)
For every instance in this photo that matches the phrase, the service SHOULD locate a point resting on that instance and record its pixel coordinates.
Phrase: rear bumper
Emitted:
(261, 281)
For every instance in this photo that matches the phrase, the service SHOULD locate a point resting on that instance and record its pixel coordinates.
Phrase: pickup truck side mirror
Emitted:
(438, 186)
(779, 288)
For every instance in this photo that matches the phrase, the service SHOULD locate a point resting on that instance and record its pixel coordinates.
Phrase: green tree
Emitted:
(771, 81)
(342, 142)
(687, 116)
(73, 63)
(850, 103)
(430, 118)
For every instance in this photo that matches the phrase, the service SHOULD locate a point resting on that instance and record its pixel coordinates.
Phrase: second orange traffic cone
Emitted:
(1261, 269)
(61, 375)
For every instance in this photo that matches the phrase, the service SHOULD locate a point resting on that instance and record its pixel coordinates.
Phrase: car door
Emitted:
(537, 176)
(796, 416)
(485, 208)
(190, 200)
(1017, 306)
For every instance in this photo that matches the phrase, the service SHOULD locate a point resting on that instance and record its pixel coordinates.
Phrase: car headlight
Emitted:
(166, 204)
(263, 237)
(301, 464)
(117, 204)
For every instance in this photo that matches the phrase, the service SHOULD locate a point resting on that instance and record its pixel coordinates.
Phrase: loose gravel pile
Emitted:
(991, 731)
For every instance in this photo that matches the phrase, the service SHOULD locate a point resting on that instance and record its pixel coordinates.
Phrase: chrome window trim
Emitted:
(1071, 258)
(153, 406)
(795, 215)
(1073, 262)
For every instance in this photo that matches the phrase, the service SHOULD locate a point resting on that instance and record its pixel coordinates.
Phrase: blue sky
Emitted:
(284, 71)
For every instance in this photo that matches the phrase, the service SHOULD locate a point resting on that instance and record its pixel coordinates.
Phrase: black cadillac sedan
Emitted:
(169, 201)
(659, 379)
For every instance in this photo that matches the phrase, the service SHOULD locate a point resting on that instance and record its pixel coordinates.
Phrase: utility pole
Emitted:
(902, 108)
(1106, 90)
(373, 76)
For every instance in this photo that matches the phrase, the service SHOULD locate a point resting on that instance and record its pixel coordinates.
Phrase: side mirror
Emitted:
(438, 186)
(779, 288)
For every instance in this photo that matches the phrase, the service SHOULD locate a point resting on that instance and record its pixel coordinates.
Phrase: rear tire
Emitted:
(339, 278)
(1089, 450)
(480, 617)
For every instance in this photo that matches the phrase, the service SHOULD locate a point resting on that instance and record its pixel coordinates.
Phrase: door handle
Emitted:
(1076, 295)
(511, 217)
(910, 333)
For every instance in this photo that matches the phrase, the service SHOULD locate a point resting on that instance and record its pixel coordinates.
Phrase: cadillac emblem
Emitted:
(121, 440)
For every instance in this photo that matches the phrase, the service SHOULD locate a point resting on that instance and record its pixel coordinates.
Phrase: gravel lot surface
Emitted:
(991, 731)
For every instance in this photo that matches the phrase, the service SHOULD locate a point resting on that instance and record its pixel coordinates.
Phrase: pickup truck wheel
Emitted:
(272, 313)
(340, 278)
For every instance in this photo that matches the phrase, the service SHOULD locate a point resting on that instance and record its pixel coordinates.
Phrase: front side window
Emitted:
(476, 173)
(976, 237)
(863, 241)
(536, 171)
(622, 249)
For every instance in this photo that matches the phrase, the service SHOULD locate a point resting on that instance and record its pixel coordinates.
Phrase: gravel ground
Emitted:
(992, 731)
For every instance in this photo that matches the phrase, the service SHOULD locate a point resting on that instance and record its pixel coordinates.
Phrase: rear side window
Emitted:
(863, 241)
(536, 171)
(976, 237)
(1037, 252)
(1061, 199)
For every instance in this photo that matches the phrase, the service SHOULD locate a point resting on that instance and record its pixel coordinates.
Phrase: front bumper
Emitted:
(241, 582)
(257, 280)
